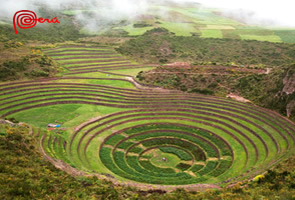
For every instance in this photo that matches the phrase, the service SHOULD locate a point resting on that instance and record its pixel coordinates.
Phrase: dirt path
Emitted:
(82, 54)
(93, 61)
(238, 98)
(145, 87)
(88, 57)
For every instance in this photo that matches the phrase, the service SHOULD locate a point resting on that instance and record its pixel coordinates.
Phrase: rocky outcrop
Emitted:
(289, 89)
(290, 107)
(289, 81)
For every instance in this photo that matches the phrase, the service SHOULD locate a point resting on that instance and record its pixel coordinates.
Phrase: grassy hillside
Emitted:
(188, 20)
(160, 46)
(24, 60)
(255, 70)
(25, 174)
(273, 91)
(267, 90)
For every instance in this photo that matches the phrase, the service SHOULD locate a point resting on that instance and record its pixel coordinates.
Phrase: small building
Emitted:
(53, 125)
(179, 64)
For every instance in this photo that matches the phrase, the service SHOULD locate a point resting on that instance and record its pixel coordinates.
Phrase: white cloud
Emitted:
(252, 11)
(280, 12)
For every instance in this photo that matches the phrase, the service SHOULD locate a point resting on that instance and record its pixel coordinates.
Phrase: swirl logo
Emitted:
(25, 19)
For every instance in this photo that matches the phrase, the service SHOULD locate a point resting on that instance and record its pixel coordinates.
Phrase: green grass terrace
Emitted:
(144, 135)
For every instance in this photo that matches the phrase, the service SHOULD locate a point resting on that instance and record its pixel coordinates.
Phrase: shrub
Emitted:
(183, 166)
(202, 91)
(210, 166)
(183, 155)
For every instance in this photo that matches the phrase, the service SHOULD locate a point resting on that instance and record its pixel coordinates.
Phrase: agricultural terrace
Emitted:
(143, 135)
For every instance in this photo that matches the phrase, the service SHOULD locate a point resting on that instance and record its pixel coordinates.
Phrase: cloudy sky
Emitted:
(281, 12)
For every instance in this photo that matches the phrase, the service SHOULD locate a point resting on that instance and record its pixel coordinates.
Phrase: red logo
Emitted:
(25, 19)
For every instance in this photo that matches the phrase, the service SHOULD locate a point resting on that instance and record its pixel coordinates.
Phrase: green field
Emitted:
(194, 20)
(110, 125)
(211, 33)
